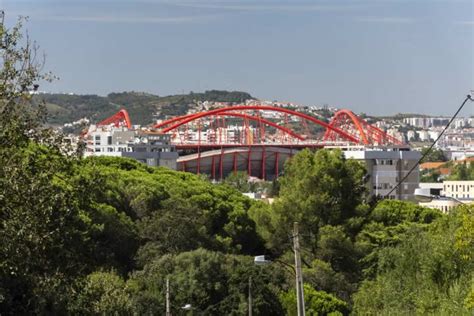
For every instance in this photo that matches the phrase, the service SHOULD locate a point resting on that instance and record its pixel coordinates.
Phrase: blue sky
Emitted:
(378, 57)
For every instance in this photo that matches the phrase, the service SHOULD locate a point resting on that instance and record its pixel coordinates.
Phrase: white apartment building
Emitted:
(153, 149)
(449, 194)
(411, 135)
(423, 135)
(109, 141)
(459, 153)
(458, 189)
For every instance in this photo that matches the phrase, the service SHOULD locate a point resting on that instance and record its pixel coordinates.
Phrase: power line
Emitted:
(468, 97)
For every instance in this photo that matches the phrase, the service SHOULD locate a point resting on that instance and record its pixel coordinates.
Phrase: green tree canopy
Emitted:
(434, 155)
(424, 272)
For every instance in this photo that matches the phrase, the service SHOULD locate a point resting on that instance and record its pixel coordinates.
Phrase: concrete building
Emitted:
(449, 194)
(458, 189)
(433, 134)
(459, 153)
(411, 135)
(435, 188)
(150, 148)
(443, 204)
(107, 141)
(423, 135)
(154, 149)
(386, 167)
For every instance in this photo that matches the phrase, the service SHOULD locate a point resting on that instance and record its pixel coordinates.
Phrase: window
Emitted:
(109, 140)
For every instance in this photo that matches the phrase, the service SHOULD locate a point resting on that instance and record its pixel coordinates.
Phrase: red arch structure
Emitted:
(344, 126)
(236, 114)
(356, 126)
(177, 122)
(120, 118)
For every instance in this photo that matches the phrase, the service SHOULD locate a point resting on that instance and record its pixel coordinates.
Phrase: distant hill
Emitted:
(401, 116)
(67, 108)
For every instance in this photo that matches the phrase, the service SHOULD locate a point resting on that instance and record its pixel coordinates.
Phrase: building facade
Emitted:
(151, 148)
(386, 167)
(458, 189)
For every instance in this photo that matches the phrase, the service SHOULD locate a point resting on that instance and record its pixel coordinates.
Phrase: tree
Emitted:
(317, 189)
(430, 176)
(386, 224)
(103, 293)
(44, 235)
(422, 273)
(212, 282)
(435, 155)
(239, 181)
(462, 172)
(324, 192)
(172, 211)
(316, 303)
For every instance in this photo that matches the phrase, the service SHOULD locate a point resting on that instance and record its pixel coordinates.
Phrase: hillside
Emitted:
(143, 108)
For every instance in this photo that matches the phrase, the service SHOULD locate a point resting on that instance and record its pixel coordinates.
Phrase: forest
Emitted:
(101, 235)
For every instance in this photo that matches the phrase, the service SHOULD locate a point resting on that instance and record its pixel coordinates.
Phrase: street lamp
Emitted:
(424, 195)
(443, 203)
(187, 307)
(260, 260)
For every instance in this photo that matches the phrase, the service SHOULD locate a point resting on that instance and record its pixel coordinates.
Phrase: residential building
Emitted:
(108, 141)
(151, 148)
(154, 149)
(386, 166)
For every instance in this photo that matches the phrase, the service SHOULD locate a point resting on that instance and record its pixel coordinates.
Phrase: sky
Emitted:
(380, 57)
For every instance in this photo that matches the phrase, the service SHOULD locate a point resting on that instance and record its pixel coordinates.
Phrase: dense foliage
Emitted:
(100, 236)
(68, 108)
(462, 172)
(433, 155)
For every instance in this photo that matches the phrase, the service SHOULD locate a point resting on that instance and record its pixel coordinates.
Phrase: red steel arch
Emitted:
(235, 114)
(355, 120)
(368, 133)
(119, 118)
(189, 118)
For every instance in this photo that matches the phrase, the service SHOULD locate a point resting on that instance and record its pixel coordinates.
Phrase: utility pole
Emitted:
(299, 275)
(250, 295)
(168, 307)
